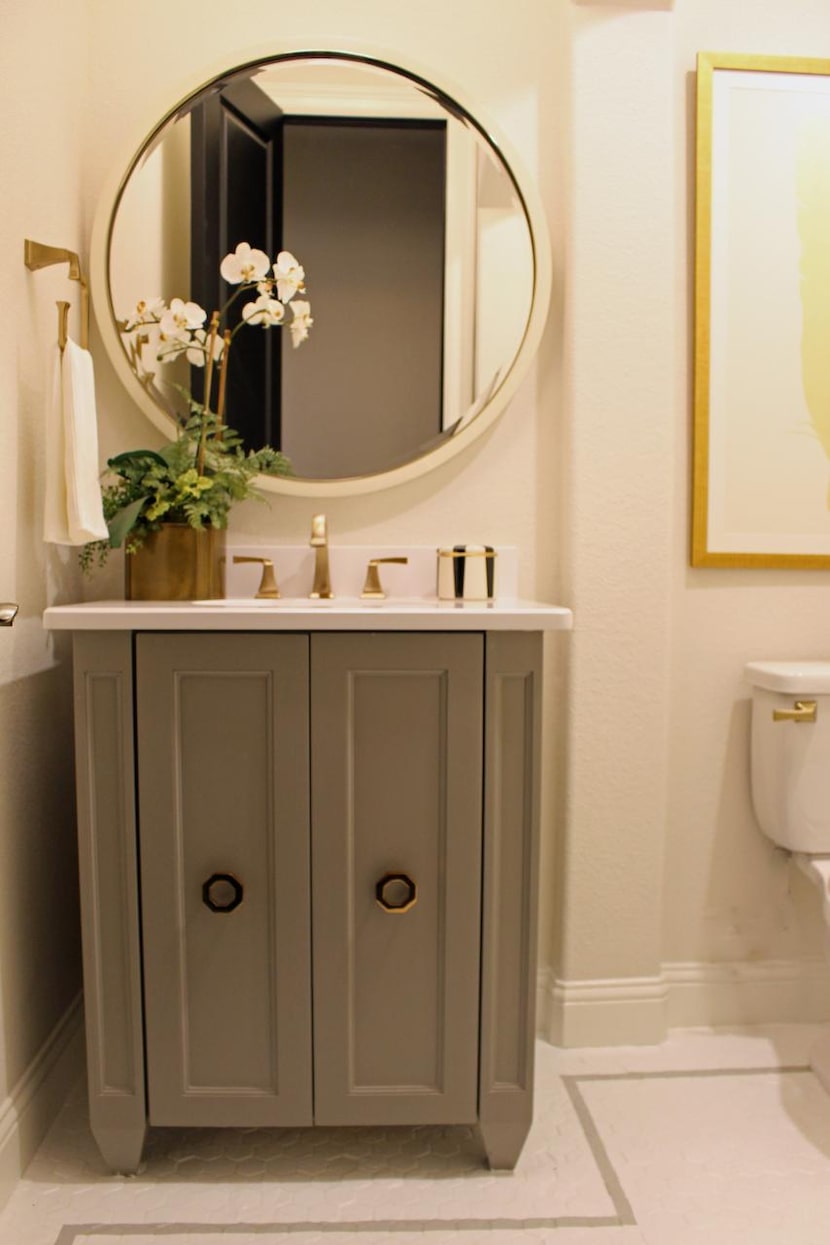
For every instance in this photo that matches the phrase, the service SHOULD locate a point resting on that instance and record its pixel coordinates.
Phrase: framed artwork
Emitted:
(761, 476)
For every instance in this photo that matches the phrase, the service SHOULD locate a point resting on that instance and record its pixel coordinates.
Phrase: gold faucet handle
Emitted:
(372, 591)
(268, 582)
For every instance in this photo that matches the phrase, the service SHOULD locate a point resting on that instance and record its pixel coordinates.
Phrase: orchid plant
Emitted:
(197, 478)
(169, 332)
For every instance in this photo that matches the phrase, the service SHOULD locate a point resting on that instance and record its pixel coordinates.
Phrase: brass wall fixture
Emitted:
(37, 255)
(802, 711)
(8, 611)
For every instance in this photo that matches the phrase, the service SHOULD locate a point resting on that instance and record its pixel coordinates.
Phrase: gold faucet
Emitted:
(321, 589)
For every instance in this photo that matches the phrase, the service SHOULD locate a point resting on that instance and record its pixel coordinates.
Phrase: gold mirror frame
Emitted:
(534, 213)
(760, 336)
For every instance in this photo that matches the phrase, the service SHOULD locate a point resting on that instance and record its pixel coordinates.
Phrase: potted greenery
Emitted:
(169, 507)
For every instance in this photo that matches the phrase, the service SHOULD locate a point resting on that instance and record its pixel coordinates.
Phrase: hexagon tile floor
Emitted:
(713, 1138)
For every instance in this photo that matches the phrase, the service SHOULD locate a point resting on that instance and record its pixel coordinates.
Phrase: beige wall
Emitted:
(651, 859)
(42, 69)
(675, 907)
(508, 488)
(654, 875)
(729, 894)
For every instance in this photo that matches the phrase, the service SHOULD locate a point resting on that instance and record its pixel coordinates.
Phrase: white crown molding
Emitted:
(296, 99)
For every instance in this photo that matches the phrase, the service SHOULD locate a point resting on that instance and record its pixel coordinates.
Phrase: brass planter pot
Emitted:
(177, 563)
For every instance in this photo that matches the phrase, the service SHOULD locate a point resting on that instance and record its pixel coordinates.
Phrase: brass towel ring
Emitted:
(37, 255)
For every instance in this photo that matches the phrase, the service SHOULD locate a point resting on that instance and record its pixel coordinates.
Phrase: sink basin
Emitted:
(236, 603)
(305, 603)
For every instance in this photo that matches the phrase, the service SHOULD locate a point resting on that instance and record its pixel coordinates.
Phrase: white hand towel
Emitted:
(73, 513)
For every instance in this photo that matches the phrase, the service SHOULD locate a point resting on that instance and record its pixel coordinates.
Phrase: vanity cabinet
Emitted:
(308, 874)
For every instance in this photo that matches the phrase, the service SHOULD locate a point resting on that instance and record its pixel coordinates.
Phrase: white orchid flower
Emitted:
(157, 333)
(196, 351)
(146, 311)
(264, 311)
(181, 319)
(301, 322)
(244, 265)
(169, 348)
(290, 276)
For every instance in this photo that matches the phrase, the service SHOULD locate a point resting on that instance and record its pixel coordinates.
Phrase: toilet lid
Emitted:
(790, 676)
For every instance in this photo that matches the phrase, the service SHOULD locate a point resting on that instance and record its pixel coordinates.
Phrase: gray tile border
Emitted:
(623, 1217)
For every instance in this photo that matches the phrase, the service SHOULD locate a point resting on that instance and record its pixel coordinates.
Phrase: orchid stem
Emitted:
(211, 342)
(223, 382)
(200, 454)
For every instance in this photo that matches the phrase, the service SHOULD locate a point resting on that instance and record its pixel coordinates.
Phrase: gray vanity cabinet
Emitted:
(308, 871)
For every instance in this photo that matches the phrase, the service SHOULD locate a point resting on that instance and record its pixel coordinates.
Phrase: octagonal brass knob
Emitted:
(222, 892)
(396, 892)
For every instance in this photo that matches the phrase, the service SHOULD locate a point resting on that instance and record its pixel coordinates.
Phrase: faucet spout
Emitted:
(321, 589)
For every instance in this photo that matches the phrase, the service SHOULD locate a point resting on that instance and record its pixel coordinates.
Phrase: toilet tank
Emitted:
(790, 761)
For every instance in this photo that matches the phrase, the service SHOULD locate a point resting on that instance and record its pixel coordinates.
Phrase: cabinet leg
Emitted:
(121, 1148)
(503, 1142)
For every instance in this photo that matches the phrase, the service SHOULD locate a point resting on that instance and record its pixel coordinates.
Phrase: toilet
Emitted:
(790, 777)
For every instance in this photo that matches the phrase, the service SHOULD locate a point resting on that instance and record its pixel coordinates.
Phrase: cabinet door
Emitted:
(396, 790)
(223, 795)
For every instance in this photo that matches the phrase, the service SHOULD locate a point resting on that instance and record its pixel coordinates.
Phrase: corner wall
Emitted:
(676, 909)
(732, 898)
(42, 69)
(620, 359)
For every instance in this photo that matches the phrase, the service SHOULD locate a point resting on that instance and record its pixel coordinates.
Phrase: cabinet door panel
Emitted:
(396, 789)
(223, 790)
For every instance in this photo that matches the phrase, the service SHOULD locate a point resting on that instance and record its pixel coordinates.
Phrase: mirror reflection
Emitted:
(417, 251)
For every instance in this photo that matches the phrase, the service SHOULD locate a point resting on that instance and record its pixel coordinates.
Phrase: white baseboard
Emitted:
(28, 1111)
(628, 1011)
(747, 993)
(640, 1010)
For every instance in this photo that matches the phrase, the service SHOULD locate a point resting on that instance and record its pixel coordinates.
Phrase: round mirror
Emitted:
(425, 260)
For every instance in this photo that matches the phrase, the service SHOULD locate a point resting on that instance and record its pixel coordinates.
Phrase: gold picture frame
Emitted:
(761, 462)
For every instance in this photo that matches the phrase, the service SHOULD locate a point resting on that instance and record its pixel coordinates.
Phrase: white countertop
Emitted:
(302, 614)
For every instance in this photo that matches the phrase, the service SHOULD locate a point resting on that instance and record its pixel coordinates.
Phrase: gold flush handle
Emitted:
(372, 590)
(802, 711)
(268, 583)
